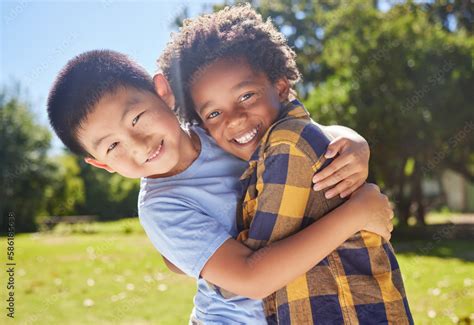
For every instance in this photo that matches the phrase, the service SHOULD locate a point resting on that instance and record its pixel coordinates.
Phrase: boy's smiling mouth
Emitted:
(156, 153)
(246, 137)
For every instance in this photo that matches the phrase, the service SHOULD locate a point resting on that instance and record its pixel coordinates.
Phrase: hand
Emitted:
(375, 208)
(349, 170)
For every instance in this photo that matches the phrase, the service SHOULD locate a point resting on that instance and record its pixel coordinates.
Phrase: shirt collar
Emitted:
(291, 109)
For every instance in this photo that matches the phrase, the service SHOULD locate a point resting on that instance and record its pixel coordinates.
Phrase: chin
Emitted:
(243, 155)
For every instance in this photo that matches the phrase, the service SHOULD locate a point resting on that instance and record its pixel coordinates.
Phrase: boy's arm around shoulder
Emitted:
(350, 167)
(181, 233)
(285, 186)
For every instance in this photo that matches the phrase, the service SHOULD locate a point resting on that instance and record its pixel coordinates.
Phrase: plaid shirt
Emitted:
(358, 283)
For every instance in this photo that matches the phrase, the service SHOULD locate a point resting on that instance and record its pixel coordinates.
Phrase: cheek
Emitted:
(218, 135)
(123, 164)
(269, 114)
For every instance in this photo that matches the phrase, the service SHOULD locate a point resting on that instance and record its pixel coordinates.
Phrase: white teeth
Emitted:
(247, 137)
(157, 152)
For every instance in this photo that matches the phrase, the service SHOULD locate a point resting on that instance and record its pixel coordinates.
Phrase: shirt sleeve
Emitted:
(284, 187)
(186, 237)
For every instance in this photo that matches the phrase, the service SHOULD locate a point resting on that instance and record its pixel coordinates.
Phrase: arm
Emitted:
(240, 270)
(249, 273)
(337, 131)
(350, 168)
(171, 266)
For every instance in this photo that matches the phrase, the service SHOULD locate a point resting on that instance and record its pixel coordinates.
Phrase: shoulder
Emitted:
(162, 200)
(208, 144)
(299, 135)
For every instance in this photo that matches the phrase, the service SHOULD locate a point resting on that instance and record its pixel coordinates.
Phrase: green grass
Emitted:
(111, 274)
(439, 279)
(119, 271)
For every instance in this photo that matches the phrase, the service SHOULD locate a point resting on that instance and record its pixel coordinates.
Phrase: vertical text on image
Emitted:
(10, 266)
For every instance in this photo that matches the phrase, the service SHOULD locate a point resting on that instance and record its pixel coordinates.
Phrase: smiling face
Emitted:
(236, 104)
(134, 133)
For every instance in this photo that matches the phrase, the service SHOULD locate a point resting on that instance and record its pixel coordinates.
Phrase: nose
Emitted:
(237, 117)
(139, 147)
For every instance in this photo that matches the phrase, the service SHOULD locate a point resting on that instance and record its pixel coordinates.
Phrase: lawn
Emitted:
(109, 273)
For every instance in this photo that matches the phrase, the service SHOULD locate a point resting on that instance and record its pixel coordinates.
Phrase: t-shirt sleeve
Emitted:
(185, 236)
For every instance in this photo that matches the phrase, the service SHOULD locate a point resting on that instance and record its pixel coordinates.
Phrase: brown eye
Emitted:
(135, 120)
(213, 115)
(112, 147)
(246, 97)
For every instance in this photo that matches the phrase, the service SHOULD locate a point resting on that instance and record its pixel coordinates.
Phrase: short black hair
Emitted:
(233, 32)
(81, 84)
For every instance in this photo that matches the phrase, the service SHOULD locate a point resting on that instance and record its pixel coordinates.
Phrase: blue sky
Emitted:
(39, 37)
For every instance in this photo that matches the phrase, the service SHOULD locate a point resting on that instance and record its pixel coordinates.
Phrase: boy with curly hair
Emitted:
(107, 109)
(233, 73)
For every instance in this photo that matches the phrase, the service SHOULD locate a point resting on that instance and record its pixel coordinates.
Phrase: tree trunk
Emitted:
(418, 197)
(402, 204)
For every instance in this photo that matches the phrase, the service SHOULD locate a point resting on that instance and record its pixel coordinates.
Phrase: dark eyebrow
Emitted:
(203, 107)
(98, 141)
(129, 105)
(246, 82)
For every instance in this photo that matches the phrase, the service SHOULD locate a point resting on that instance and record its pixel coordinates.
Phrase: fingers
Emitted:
(338, 189)
(347, 186)
(338, 163)
(372, 187)
(335, 146)
(375, 186)
(390, 227)
(351, 189)
(341, 175)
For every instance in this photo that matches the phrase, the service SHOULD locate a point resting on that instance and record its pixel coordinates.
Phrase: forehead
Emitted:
(226, 72)
(117, 99)
(106, 115)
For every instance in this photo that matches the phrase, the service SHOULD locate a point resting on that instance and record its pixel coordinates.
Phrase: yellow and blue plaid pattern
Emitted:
(360, 282)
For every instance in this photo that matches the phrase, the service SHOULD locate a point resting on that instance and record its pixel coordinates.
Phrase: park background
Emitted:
(398, 72)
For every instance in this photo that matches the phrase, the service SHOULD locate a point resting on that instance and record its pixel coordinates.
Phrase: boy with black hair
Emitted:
(106, 108)
(234, 74)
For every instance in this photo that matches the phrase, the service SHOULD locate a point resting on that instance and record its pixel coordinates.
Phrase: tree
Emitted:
(457, 14)
(402, 78)
(66, 193)
(110, 196)
(78, 188)
(397, 77)
(25, 169)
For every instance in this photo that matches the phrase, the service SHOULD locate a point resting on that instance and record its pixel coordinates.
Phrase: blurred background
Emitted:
(398, 72)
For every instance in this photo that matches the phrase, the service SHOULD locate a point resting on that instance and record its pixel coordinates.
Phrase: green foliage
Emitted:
(34, 185)
(402, 78)
(66, 192)
(25, 169)
(406, 85)
(79, 188)
(108, 195)
(442, 11)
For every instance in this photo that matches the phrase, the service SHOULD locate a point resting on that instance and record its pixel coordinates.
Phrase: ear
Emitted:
(98, 164)
(283, 88)
(163, 89)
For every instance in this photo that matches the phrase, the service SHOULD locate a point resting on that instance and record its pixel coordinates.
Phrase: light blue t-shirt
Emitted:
(189, 216)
